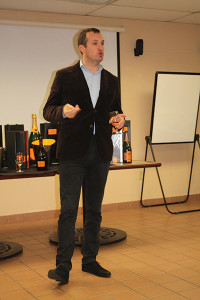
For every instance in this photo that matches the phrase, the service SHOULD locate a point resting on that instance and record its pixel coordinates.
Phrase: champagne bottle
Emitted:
(41, 158)
(33, 137)
(127, 151)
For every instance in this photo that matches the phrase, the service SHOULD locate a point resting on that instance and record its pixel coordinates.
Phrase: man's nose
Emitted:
(101, 46)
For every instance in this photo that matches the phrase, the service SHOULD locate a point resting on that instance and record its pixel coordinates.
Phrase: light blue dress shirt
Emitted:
(93, 82)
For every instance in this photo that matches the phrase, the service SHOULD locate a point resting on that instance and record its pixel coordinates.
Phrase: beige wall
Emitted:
(167, 47)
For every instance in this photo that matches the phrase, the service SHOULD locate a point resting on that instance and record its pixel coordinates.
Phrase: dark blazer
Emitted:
(74, 136)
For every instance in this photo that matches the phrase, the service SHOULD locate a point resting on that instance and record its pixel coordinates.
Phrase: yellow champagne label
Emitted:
(41, 164)
(128, 156)
(52, 131)
(32, 155)
(114, 160)
(34, 130)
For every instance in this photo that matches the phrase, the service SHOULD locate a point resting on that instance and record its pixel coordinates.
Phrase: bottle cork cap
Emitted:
(34, 115)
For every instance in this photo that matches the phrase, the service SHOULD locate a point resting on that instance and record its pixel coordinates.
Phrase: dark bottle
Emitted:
(127, 151)
(41, 157)
(33, 137)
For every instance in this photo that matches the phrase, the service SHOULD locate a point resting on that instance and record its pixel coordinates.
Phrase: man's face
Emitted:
(94, 50)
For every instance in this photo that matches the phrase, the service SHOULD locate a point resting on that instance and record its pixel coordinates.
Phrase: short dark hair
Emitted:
(82, 39)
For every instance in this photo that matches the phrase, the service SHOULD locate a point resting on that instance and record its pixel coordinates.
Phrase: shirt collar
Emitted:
(83, 67)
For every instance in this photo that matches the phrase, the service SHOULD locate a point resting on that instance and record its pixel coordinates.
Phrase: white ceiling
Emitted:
(181, 11)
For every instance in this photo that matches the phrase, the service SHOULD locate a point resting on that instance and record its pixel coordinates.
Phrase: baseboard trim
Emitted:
(51, 214)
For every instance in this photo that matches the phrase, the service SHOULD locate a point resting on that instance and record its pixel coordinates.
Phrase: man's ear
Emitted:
(81, 48)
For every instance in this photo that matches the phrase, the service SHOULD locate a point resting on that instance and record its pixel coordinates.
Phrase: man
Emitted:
(82, 98)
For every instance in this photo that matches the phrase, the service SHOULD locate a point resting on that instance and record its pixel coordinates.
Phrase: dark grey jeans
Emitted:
(93, 171)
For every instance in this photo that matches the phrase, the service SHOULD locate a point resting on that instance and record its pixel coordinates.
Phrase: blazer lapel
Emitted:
(82, 85)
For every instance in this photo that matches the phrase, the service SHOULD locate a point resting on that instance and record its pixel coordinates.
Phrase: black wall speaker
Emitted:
(139, 47)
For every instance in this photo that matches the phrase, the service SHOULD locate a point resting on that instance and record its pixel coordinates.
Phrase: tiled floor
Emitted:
(160, 259)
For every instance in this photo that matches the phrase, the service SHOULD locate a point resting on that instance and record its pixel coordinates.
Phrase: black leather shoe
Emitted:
(95, 269)
(60, 274)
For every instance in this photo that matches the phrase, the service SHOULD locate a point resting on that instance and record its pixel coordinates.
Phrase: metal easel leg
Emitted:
(148, 142)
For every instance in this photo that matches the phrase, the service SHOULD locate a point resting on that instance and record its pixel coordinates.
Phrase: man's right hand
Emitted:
(70, 111)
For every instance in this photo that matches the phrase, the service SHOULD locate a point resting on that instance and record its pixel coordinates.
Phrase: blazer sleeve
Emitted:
(53, 108)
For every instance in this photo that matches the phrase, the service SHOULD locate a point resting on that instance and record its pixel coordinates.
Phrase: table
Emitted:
(107, 235)
(28, 173)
